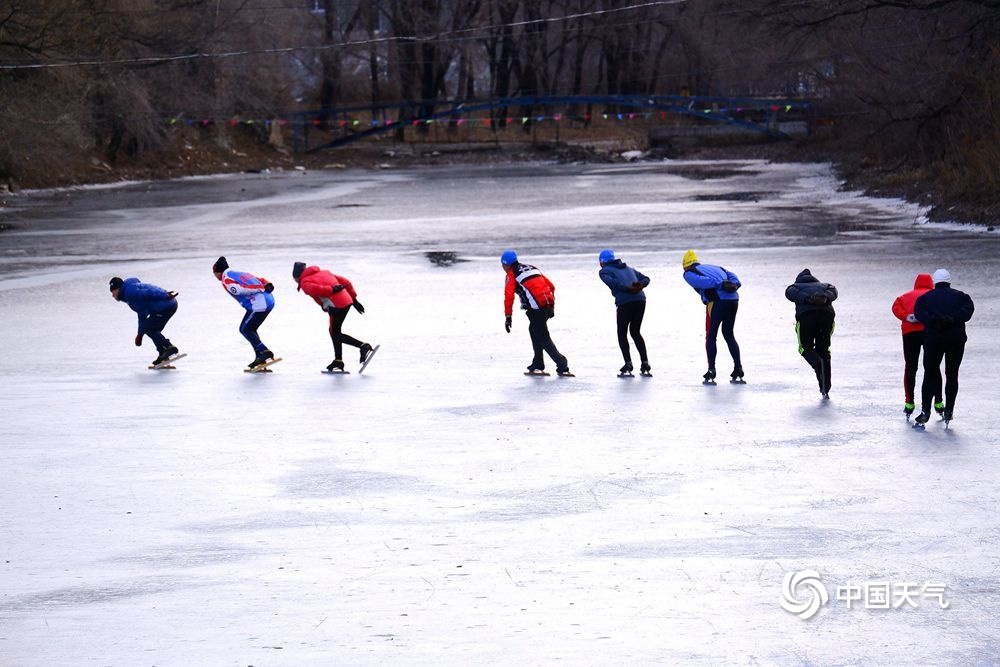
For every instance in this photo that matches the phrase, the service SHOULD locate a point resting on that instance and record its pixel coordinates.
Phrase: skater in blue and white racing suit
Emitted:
(254, 294)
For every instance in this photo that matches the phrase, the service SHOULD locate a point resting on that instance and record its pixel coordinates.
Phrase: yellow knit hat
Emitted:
(689, 259)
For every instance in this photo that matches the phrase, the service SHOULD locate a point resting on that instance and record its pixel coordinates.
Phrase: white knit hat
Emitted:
(942, 276)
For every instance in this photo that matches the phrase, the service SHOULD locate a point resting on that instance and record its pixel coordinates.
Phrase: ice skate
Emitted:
(736, 377)
(646, 370)
(908, 410)
(366, 350)
(921, 420)
(261, 358)
(709, 377)
(165, 354)
(626, 370)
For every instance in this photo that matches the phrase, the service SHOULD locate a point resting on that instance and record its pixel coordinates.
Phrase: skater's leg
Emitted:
(622, 317)
(538, 331)
(154, 326)
(728, 324)
(805, 334)
(823, 336)
(548, 345)
(912, 344)
(638, 310)
(712, 323)
(248, 327)
(952, 361)
(931, 385)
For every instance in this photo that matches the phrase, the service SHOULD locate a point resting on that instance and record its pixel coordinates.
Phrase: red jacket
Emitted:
(536, 291)
(319, 283)
(903, 305)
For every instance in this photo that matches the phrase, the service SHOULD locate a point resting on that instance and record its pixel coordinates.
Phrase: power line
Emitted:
(443, 36)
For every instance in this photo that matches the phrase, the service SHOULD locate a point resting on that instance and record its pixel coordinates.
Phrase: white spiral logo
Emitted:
(808, 608)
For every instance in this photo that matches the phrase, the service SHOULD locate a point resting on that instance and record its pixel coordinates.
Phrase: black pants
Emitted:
(153, 325)
(913, 343)
(248, 327)
(337, 317)
(541, 340)
(630, 321)
(952, 353)
(721, 315)
(815, 329)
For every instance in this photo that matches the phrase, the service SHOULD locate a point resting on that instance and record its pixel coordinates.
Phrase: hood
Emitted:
(306, 272)
(616, 263)
(923, 281)
(805, 277)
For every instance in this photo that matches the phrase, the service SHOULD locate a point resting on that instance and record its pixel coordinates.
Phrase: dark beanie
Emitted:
(115, 283)
(220, 265)
(297, 269)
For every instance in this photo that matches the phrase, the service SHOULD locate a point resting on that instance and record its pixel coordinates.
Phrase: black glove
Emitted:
(359, 307)
(269, 287)
(337, 288)
(138, 340)
(635, 287)
(729, 286)
(171, 295)
(507, 323)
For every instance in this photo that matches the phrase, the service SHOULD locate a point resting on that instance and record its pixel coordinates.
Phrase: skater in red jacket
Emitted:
(335, 295)
(538, 299)
(913, 340)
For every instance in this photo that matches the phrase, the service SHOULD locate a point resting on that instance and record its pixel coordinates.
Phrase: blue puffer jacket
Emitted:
(708, 280)
(944, 312)
(620, 278)
(145, 299)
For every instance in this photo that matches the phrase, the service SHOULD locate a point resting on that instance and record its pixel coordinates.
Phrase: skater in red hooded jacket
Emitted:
(913, 340)
(336, 296)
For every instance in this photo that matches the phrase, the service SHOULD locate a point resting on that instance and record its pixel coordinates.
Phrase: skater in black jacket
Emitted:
(943, 312)
(814, 323)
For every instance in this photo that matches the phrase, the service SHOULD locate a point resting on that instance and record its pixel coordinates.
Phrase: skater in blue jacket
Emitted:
(154, 307)
(627, 285)
(254, 294)
(718, 290)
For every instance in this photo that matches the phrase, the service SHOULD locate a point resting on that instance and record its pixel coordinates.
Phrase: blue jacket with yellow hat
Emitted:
(713, 283)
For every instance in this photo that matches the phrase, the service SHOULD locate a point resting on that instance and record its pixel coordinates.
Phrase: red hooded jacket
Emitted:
(903, 305)
(319, 283)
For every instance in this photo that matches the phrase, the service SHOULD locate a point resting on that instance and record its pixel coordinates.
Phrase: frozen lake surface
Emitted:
(444, 509)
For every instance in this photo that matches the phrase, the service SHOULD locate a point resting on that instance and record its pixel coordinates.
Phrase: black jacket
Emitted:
(810, 294)
(944, 312)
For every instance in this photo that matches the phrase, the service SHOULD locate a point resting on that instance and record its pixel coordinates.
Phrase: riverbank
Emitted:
(194, 155)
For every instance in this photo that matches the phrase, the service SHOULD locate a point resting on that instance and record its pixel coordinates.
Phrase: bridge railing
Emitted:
(328, 128)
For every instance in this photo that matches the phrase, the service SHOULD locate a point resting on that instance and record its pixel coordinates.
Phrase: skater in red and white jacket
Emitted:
(538, 299)
(335, 295)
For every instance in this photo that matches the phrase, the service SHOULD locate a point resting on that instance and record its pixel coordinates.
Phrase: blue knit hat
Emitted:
(508, 257)
(606, 256)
